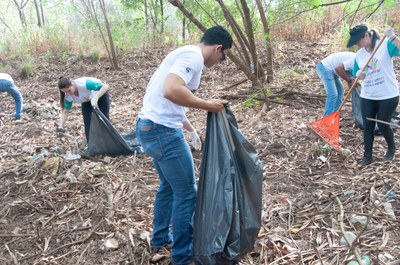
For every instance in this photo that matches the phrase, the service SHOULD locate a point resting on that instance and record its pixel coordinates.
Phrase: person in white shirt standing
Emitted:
(7, 85)
(159, 129)
(379, 92)
(326, 71)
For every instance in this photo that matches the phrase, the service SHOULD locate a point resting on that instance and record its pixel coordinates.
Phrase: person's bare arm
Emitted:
(63, 118)
(104, 88)
(176, 91)
(342, 73)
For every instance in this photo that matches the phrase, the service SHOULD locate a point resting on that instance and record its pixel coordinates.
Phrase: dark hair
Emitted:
(217, 35)
(374, 37)
(63, 82)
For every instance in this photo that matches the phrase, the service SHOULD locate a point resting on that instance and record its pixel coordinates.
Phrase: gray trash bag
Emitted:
(105, 139)
(356, 107)
(227, 217)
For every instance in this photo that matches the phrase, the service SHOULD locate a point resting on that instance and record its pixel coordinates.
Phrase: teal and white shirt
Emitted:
(87, 87)
(380, 81)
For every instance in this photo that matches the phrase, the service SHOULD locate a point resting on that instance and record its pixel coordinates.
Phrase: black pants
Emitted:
(381, 110)
(104, 107)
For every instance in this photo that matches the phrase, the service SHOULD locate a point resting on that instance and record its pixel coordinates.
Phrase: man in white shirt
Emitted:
(159, 129)
(326, 71)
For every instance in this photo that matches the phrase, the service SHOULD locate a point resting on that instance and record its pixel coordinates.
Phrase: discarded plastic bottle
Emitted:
(388, 206)
(389, 210)
(57, 149)
(365, 259)
(391, 195)
(252, 68)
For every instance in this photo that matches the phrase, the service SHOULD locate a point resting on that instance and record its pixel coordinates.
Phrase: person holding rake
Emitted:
(379, 92)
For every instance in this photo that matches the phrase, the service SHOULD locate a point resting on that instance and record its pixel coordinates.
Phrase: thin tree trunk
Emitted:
(94, 15)
(242, 65)
(41, 12)
(189, 15)
(37, 9)
(267, 36)
(258, 70)
(113, 58)
(162, 15)
(183, 29)
(20, 8)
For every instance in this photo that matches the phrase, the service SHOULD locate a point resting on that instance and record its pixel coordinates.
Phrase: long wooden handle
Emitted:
(365, 66)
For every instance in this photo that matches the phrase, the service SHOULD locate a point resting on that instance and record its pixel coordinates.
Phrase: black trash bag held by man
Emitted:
(228, 208)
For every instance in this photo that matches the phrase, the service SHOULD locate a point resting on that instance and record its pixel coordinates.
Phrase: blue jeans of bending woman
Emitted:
(13, 91)
(333, 87)
(176, 195)
(381, 110)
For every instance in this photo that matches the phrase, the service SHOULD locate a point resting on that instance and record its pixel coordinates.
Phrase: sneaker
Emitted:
(389, 155)
(160, 254)
(366, 161)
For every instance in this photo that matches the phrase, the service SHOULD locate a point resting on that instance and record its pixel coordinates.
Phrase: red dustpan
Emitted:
(328, 127)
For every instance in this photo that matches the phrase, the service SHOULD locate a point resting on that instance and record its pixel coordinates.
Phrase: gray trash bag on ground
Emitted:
(105, 139)
(227, 217)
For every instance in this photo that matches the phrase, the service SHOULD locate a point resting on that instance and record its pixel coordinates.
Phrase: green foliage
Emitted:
(26, 67)
(253, 99)
(132, 4)
(95, 56)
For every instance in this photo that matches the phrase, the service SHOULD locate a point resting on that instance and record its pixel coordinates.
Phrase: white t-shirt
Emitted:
(87, 87)
(335, 59)
(187, 62)
(7, 77)
(380, 80)
(349, 64)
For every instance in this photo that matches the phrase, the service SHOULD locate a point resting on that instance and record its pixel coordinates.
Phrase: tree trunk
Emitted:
(41, 12)
(162, 16)
(258, 70)
(37, 9)
(189, 15)
(113, 58)
(267, 36)
(242, 63)
(20, 8)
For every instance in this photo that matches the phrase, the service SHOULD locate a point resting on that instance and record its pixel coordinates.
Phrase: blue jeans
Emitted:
(12, 90)
(333, 87)
(176, 195)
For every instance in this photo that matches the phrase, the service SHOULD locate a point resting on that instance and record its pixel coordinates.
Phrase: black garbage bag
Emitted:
(105, 139)
(227, 218)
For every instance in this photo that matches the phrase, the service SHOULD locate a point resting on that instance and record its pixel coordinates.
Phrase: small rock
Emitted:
(111, 244)
(350, 238)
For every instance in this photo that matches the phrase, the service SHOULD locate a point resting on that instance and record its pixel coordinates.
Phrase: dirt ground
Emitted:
(99, 210)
